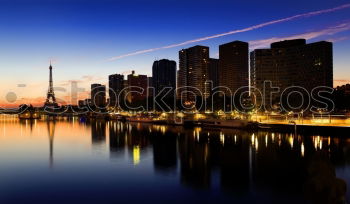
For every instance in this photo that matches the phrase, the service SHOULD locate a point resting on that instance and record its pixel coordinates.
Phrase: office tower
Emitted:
(137, 87)
(233, 65)
(150, 84)
(193, 72)
(98, 95)
(164, 76)
(290, 63)
(213, 71)
(116, 85)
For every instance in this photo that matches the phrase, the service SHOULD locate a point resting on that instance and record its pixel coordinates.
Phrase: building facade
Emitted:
(164, 76)
(137, 87)
(149, 85)
(98, 95)
(233, 65)
(213, 72)
(290, 63)
(116, 85)
(193, 72)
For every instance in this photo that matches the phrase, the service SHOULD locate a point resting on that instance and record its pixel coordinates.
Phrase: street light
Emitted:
(320, 112)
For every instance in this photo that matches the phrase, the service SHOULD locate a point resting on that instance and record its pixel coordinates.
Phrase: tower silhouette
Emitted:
(50, 99)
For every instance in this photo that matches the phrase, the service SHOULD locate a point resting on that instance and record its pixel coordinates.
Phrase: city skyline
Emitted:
(86, 72)
(179, 101)
(198, 70)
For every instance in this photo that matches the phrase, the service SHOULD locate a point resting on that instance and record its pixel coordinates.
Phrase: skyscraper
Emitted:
(193, 71)
(233, 65)
(291, 63)
(98, 95)
(213, 71)
(164, 75)
(136, 84)
(116, 85)
(150, 84)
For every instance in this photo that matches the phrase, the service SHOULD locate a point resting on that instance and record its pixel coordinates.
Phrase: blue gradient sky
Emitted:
(81, 35)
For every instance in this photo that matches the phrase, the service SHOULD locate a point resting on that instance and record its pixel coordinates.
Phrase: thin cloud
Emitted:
(305, 15)
(338, 39)
(84, 79)
(255, 44)
(341, 80)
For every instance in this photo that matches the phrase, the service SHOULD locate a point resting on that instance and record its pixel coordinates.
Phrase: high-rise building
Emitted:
(233, 65)
(193, 72)
(164, 75)
(116, 85)
(213, 71)
(290, 63)
(150, 84)
(98, 95)
(136, 85)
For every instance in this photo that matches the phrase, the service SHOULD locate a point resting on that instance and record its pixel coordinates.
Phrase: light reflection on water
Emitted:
(112, 161)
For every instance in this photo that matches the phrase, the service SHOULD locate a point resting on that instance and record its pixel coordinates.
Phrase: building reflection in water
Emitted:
(235, 159)
(98, 132)
(117, 139)
(246, 161)
(164, 150)
(194, 159)
(51, 133)
(50, 126)
(126, 139)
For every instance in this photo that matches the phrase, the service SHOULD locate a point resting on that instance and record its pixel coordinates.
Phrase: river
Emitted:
(113, 162)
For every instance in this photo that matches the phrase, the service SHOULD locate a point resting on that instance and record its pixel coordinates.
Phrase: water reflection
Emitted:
(98, 132)
(247, 161)
(194, 157)
(51, 133)
(164, 151)
(240, 165)
(127, 139)
(117, 139)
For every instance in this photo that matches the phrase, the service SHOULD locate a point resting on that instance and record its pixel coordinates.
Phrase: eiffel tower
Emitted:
(50, 99)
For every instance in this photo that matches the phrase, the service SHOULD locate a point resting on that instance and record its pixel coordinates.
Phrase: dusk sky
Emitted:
(84, 39)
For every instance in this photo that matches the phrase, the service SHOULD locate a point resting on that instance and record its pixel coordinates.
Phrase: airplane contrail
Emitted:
(328, 31)
(305, 15)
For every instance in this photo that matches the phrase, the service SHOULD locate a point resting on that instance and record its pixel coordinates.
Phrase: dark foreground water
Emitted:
(113, 162)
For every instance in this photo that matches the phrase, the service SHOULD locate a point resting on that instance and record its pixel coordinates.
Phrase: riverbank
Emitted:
(320, 129)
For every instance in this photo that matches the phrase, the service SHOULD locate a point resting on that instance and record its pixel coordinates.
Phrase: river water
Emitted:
(113, 162)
